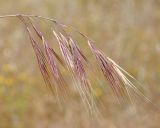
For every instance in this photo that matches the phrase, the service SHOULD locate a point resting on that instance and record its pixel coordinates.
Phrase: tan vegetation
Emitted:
(127, 31)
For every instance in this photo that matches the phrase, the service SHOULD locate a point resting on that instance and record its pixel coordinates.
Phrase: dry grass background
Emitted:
(127, 31)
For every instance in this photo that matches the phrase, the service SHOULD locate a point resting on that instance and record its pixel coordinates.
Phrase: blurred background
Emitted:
(128, 31)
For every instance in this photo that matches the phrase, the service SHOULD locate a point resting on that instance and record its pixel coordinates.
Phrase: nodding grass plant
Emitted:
(74, 61)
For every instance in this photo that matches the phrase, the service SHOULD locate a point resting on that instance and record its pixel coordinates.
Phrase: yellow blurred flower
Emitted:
(98, 92)
(22, 77)
(9, 81)
(8, 68)
(1, 79)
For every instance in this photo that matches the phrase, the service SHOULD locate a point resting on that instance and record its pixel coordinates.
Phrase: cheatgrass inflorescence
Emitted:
(74, 60)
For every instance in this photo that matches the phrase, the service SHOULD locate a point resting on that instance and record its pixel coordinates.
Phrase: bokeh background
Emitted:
(128, 31)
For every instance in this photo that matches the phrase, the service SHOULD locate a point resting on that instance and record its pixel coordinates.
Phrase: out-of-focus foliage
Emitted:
(126, 30)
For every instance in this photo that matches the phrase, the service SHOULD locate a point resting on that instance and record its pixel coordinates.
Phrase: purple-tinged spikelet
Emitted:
(42, 62)
(51, 56)
(73, 57)
(110, 72)
(64, 50)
